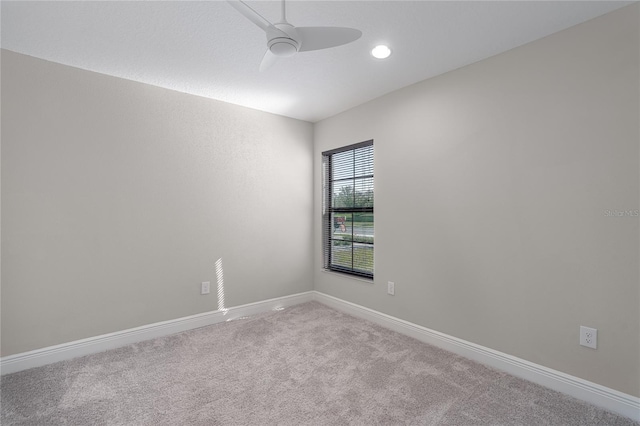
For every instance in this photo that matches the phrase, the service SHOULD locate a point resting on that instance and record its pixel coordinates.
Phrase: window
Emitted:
(347, 209)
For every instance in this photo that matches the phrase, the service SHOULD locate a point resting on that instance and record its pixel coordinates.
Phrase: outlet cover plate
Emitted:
(589, 337)
(205, 288)
(391, 288)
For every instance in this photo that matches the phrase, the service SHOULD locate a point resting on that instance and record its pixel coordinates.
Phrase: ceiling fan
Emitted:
(284, 40)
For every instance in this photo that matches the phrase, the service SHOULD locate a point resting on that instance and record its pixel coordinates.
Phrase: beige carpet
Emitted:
(305, 365)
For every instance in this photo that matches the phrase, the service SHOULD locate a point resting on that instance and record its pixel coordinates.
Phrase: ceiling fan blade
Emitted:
(253, 16)
(268, 60)
(316, 38)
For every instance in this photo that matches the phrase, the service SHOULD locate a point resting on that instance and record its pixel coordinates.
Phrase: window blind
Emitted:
(348, 220)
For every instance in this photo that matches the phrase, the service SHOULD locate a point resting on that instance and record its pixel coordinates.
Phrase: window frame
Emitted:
(328, 210)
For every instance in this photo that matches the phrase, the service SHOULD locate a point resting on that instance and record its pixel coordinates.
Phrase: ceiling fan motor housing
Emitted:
(283, 46)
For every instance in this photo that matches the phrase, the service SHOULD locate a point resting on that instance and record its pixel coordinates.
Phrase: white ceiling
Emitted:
(207, 48)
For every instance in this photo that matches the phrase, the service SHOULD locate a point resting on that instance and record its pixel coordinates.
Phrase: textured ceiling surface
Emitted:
(207, 48)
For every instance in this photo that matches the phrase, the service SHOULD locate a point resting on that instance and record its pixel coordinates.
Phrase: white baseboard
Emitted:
(601, 396)
(91, 345)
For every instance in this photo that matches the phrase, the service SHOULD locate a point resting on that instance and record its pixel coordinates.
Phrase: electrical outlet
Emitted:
(391, 288)
(589, 337)
(205, 287)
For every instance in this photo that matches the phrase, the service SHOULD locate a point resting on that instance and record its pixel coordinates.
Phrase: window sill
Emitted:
(348, 276)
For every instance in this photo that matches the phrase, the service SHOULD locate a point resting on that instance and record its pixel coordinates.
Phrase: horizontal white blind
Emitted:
(348, 221)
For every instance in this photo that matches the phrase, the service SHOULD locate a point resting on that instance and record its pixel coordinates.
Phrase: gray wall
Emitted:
(492, 183)
(118, 198)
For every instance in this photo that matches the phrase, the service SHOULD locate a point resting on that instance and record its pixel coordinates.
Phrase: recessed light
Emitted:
(381, 52)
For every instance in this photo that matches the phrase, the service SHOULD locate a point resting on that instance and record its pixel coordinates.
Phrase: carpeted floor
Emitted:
(305, 365)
